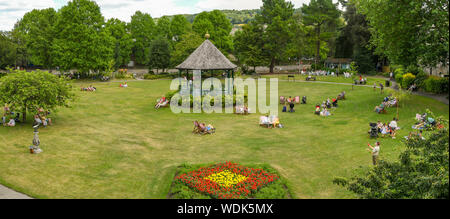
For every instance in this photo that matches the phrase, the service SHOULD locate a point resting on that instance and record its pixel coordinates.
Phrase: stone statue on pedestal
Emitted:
(35, 149)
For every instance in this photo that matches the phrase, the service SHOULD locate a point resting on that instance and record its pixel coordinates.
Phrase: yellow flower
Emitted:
(226, 178)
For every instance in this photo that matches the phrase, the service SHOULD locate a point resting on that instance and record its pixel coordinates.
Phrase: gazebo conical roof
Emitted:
(207, 57)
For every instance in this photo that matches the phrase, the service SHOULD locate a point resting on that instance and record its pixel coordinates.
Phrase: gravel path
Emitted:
(7, 193)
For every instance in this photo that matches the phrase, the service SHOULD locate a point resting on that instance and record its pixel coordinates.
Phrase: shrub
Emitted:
(398, 78)
(408, 80)
(436, 85)
(420, 79)
(414, 70)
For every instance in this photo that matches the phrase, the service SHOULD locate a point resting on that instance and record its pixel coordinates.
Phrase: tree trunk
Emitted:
(318, 46)
(272, 64)
(24, 116)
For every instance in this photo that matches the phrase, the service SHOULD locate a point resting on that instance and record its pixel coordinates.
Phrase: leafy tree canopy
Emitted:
(27, 91)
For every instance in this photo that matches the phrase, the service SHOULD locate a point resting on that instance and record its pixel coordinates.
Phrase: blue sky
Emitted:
(12, 10)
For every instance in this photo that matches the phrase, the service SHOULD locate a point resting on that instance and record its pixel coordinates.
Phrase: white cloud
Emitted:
(207, 5)
(13, 10)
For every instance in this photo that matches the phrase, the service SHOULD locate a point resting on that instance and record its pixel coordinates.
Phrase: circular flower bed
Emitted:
(229, 181)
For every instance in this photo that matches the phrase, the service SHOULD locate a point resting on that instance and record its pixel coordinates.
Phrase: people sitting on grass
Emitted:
(341, 96)
(325, 112)
(380, 108)
(90, 88)
(304, 100)
(201, 128)
(317, 109)
(125, 85)
(291, 107)
(334, 102)
(271, 121)
(11, 123)
(162, 102)
(328, 103)
(42, 118)
(242, 110)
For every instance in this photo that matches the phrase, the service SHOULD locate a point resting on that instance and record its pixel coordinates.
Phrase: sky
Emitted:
(13, 10)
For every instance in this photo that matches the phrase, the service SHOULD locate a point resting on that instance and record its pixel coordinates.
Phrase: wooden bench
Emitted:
(291, 76)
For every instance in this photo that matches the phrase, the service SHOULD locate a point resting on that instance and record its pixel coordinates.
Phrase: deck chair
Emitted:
(282, 100)
(297, 100)
(196, 127)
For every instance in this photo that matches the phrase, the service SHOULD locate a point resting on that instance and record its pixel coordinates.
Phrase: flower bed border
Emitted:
(271, 189)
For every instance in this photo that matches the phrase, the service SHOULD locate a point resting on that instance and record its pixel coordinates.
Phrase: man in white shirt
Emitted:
(393, 124)
(375, 152)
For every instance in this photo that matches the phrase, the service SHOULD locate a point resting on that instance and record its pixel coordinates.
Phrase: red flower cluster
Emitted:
(255, 179)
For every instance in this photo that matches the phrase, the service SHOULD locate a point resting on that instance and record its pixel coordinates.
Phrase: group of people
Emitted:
(388, 101)
(384, 129)
(361, 80)
(124, 85)
(41, 118)
(90, 88)
(9, 118)
(424, 122)
(324, 108)
(243, 110)
(202, 128)
(271, 121)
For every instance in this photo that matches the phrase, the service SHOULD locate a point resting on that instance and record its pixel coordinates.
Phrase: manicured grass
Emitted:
(113, 144)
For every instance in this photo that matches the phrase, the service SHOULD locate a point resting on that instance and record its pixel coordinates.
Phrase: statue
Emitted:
(35, 149)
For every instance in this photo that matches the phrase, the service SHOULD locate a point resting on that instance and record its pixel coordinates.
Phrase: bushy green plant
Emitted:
(408, 80)
(398, 78)
(436, 85)
(415, 70)
(420, 79)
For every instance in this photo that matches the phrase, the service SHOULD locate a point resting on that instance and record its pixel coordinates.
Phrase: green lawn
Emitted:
(114, 144)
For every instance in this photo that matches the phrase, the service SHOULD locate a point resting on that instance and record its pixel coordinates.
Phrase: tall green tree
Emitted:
(159, 56)
(163, 28)
(421, 172)
(27, 91)
(277, 19)
(179, 26)
(189, 42)
(249, 44)
(81, 40)
(123, 43)
(409, 33)
(323, 16)
(7, 50)
(37, 29)
(218, 26)
(354, 39)
(142, 28)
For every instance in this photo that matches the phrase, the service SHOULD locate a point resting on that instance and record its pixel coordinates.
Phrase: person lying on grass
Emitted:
(90, 88)
(242, 110)
(162, 102)
(201, 128)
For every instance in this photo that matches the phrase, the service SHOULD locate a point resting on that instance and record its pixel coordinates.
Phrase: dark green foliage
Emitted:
(218, 26)
(322, 16)
(159, 56)
(409, 33)
(7, 50)
(421, 172)
(436, 85)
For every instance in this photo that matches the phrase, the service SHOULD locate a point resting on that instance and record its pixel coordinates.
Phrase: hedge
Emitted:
(436, 85)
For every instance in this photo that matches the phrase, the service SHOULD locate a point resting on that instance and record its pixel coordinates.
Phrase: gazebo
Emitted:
(207, 58)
